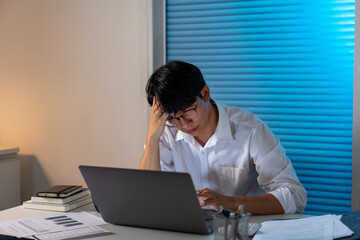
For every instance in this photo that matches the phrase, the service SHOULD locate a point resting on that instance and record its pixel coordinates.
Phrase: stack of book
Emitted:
(60, 198)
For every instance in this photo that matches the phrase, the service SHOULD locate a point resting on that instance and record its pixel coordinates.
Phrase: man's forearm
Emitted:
(263, 204)
(158, 118)
(151, 157)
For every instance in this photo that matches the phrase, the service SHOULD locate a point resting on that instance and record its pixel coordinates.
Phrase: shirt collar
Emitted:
(222, 132)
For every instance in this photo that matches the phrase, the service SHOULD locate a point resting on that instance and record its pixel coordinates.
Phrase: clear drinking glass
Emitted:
(231, 227)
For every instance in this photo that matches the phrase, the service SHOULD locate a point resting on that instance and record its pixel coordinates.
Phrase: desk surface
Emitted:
(122, 232)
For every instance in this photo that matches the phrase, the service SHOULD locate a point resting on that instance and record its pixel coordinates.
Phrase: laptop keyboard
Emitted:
(253, 228)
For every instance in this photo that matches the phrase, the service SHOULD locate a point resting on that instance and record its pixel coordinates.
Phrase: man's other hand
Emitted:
(213, 199)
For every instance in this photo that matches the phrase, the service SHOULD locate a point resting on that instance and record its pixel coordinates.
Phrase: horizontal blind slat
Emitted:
(247, 57)
(329, 201)
(320, 209)
(329, 194)
(315, 139)
(323, 187)
(317, 166)
(321, 159)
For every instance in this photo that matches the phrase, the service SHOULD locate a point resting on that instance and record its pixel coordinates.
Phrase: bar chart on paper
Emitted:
(50, 223)
(64, 220)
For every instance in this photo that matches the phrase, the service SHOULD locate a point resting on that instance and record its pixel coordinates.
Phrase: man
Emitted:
(232, 156)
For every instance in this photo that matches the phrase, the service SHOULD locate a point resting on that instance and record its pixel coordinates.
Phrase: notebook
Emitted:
(148, 199)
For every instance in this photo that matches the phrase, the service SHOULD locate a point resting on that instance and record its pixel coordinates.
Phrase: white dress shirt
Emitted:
(242, 158)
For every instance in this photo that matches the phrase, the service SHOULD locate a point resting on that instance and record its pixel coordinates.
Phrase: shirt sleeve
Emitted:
(166, 159)
(276, 173)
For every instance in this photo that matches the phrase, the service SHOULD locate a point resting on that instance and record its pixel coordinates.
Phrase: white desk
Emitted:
(129, 233)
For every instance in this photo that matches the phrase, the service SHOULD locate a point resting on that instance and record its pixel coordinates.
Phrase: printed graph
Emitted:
(64, 221)
(50, 224)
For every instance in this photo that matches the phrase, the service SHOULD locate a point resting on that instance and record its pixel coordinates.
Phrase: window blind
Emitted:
(289, 62)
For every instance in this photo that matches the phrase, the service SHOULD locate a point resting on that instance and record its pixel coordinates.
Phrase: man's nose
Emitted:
(186, 122)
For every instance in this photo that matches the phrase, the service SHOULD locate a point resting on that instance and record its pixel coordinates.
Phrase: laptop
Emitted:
(147, 199)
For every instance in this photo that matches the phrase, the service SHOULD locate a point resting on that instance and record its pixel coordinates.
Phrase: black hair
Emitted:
(176, 85)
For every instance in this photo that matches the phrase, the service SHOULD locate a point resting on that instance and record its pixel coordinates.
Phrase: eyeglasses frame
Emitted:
(182, 115)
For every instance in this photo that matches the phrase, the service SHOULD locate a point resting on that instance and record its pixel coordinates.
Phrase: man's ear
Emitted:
(205, 92)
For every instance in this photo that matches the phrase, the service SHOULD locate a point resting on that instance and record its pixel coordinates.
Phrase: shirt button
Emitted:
(202, 152)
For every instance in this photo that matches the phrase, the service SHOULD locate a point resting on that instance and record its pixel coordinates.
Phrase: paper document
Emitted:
(74, 234)
(325, 227)
(50, 223)
(340, 229)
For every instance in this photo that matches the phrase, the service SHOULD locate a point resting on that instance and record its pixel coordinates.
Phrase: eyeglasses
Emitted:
(187, 115)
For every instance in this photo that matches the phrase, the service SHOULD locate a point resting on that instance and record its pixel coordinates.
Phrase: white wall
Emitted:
(72, 79)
